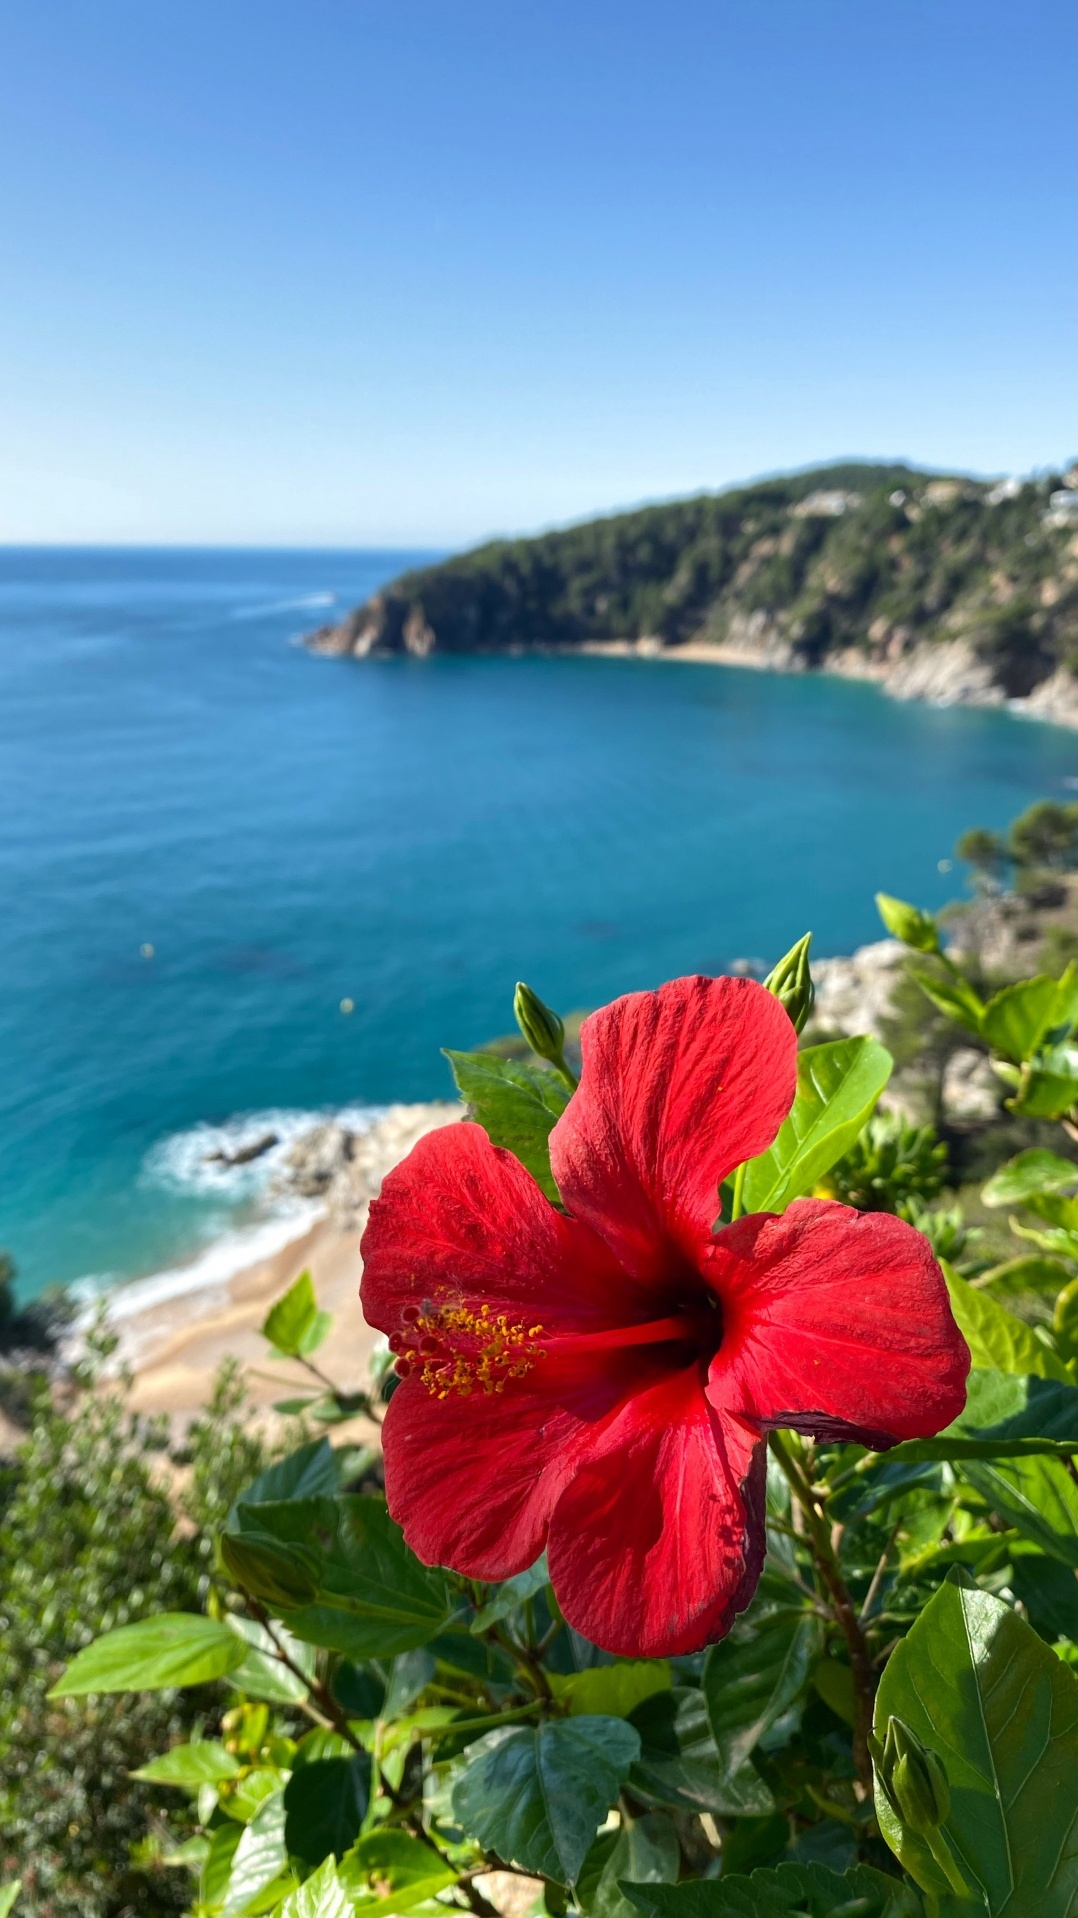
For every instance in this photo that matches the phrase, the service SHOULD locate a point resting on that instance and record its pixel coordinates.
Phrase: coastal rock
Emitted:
(854, 995)
(948, 673)
(971, 1092)
(345, 1167)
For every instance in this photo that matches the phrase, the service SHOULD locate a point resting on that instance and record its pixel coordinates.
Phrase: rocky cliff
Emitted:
(940, 587)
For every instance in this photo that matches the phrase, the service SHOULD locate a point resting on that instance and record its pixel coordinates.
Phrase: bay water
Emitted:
(210, 839)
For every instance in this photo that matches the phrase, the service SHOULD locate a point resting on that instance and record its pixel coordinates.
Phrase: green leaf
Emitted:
(783, 1891)
(322, 1896)
(838, 1085)
(754, 1675)
(516, 1105)
(260, 1859)
(958, 1002)
(1065, 1321)
(996, 1339)
(277, 1575)
(1047, 1087)
(325, 1804)
(1034, 1273)
(537, 1797)
(977, 1686)
(262, 1674)
(681, 1767)
(1047, 1589)
(173, 1648)
(412, 1871)
(507, 1597)
(310, 1472)
(1037, 1496)
(1017, 1019)
(1005, 1416)
(189, 1766)
(294, 1319)
(645, 1851)
(375, 1598)
(8, 1895)
(1034, 1171)
(217, 1868)
(612, 1690)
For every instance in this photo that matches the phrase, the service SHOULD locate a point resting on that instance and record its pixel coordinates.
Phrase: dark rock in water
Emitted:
(244, 1153)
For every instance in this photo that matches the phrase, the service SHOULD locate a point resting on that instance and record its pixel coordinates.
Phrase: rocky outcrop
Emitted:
(345, 1167)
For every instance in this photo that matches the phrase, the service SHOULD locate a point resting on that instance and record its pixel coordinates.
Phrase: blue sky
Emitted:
(414, 271)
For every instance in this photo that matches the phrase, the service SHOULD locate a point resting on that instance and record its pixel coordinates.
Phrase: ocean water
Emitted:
(287, 832)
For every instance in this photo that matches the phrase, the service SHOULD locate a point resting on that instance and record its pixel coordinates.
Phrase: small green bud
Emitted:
(913, 1779)
(541, 1027)
(908, 923)
(791, 983)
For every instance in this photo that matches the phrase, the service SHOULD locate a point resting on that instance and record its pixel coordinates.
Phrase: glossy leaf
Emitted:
(217, 1866)
(189, 1766)
(383, 1857)
(1047, 1087)
(260, 1860)
(374, 1597)
(680, 1765)
(295, 1325)
(537, 1797)
(277, 1575)
(515, 1104)
(996, 1339)
(754, 1675)
(948, 996)
(172, 1648)
(978, 1687)
(1037, 1170)
(646, 1852)
(505, 1598)
(1016, 1020)
(612, 1689)
(322, 1896)
(325, 1805)
(838, 1085)
(309, 1472)
(1005, 1416)
(783, 1891)
(1037, 1496)
(262, 1674)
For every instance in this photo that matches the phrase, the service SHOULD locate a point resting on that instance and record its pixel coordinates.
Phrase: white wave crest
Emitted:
(197, 1161)
(232, 1252)
(306, 603)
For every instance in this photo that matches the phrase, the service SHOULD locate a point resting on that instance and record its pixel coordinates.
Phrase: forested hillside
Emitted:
(854, 558)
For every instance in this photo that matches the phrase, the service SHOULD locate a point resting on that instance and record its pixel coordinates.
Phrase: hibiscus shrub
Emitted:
(709, 1579)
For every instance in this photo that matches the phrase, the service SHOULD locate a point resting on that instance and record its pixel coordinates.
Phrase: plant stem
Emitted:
(823, 1553)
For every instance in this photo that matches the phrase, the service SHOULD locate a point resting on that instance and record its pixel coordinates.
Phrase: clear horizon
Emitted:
(406, 277)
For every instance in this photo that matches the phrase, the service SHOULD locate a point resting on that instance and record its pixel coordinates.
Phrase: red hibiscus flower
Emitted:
(600, 1381)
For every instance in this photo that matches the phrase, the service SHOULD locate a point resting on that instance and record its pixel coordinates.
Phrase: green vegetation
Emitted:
(872, 557)
(228, 1687)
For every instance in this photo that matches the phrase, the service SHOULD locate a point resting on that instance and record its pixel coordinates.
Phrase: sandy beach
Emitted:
(174, 1345)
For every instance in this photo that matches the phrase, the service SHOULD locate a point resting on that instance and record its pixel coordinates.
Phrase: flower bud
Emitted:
(908, 923)
(541, 1027)
(791, 983)
(913, 1780)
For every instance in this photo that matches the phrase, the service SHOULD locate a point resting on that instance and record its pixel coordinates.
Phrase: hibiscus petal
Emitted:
(678, 1087)
(836, 1323)
(461, 1219)
(472, 1481)
(658, 1540)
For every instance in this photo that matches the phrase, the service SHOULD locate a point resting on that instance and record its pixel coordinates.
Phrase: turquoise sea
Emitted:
(414, 835)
